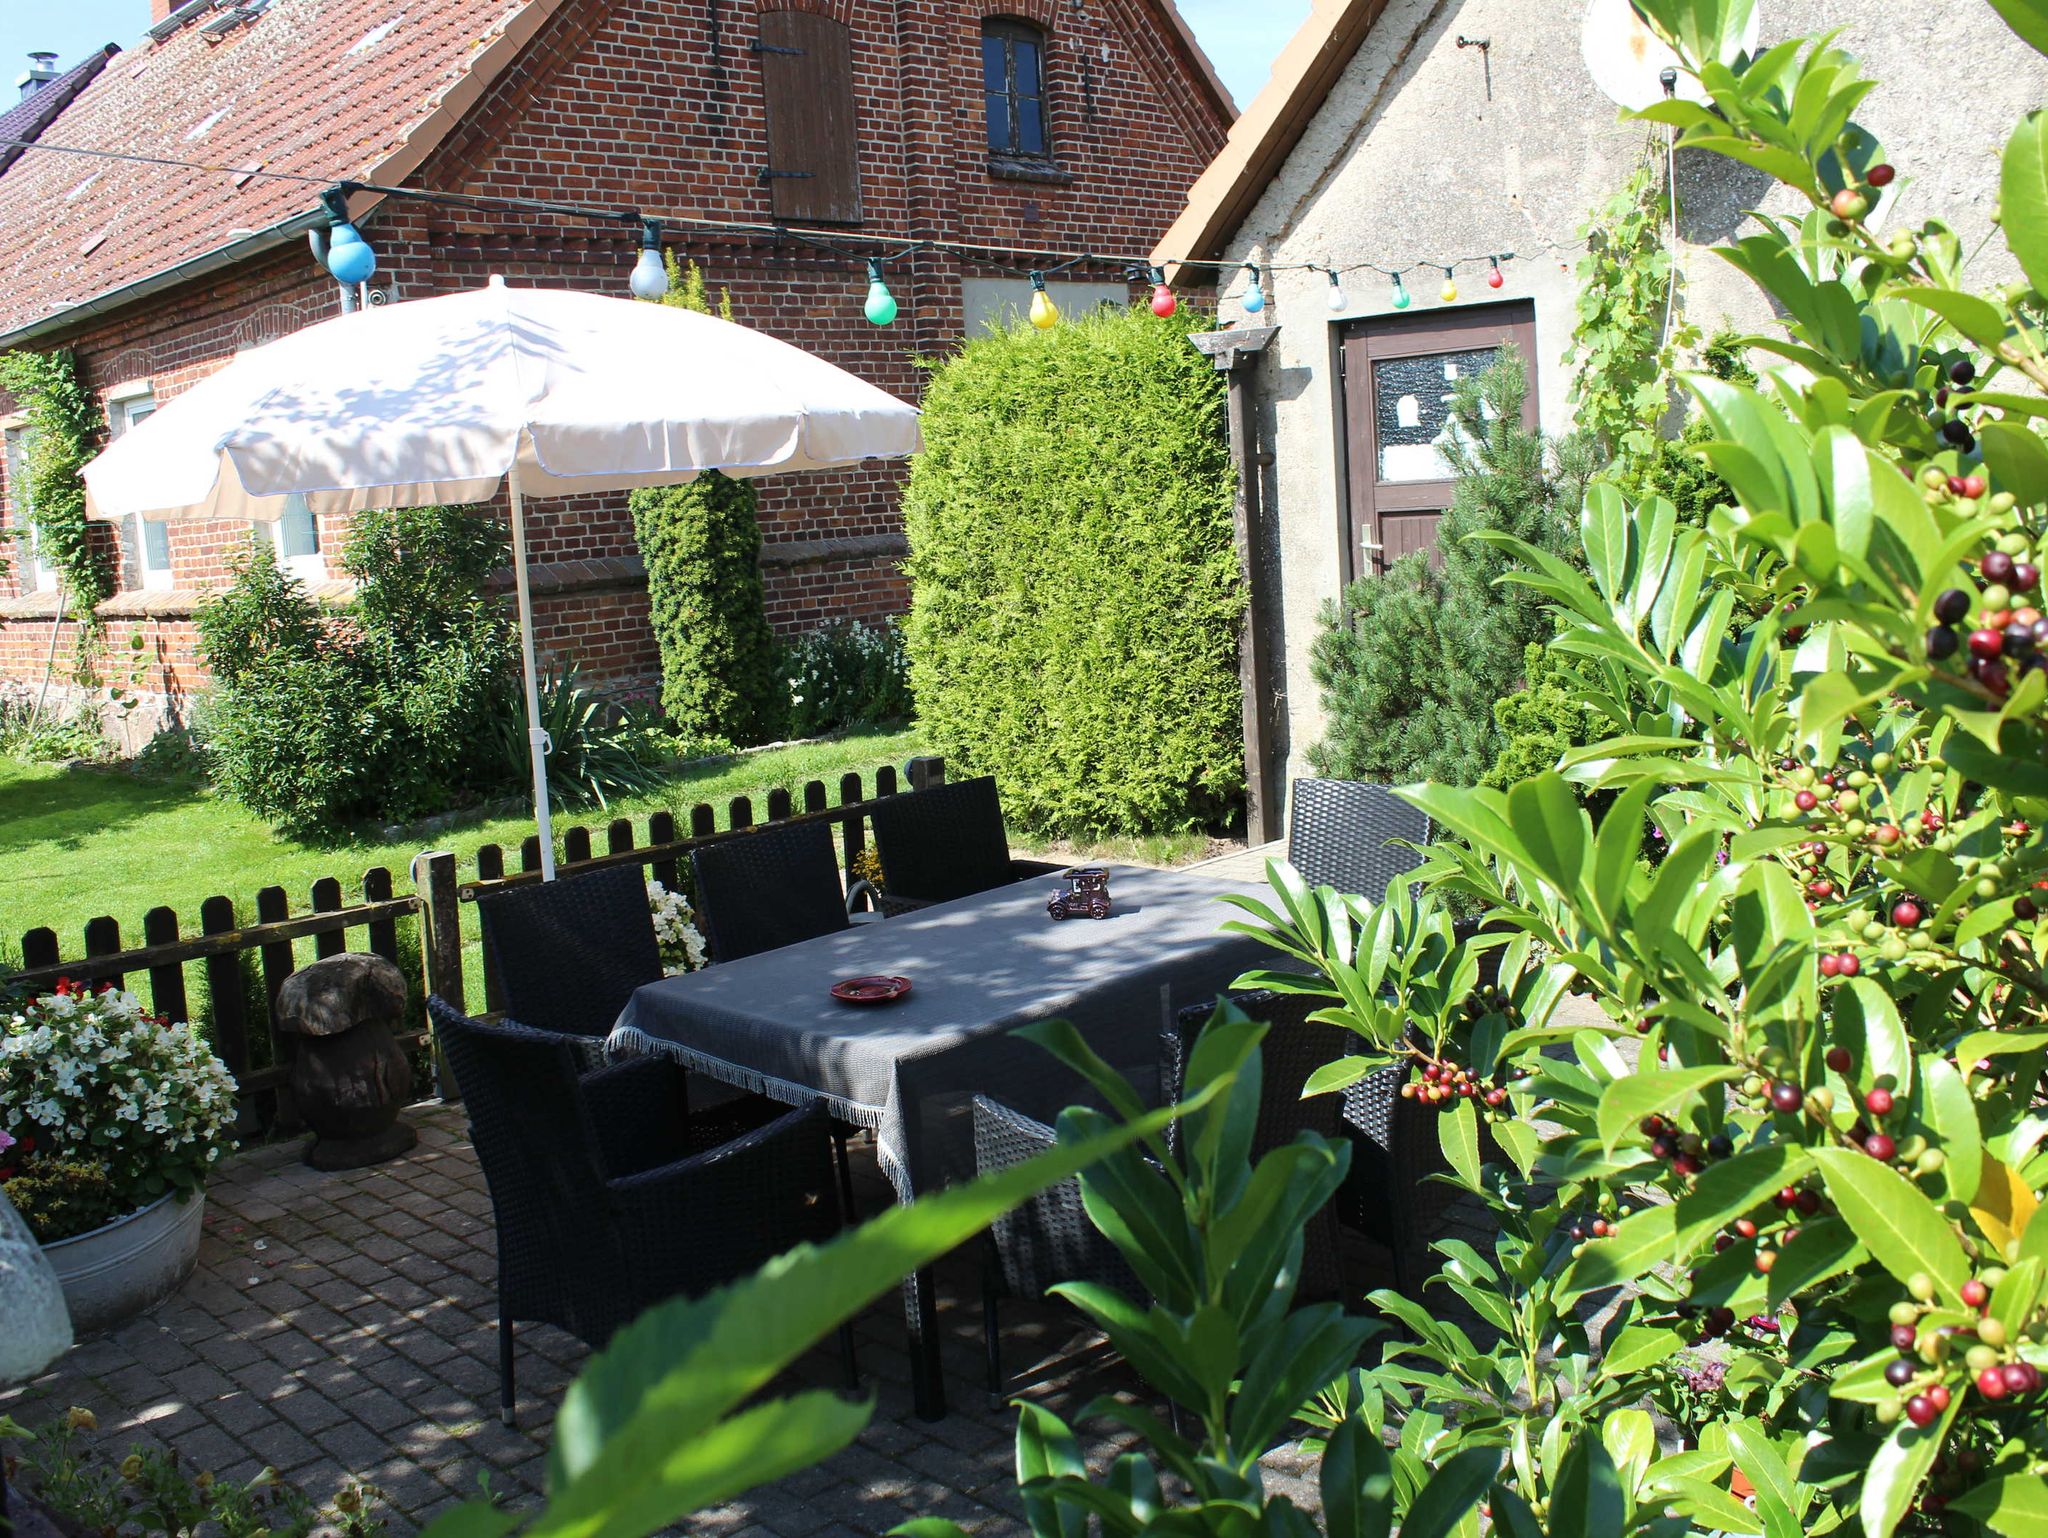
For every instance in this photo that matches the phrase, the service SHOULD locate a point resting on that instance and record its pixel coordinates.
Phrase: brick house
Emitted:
(1055, 124)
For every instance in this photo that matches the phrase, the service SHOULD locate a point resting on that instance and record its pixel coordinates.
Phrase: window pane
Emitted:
(998, 121)
(1412, 411)
(1027, 66)
(1030, 126)
(297, 532)
(156, 546)
(994, 66)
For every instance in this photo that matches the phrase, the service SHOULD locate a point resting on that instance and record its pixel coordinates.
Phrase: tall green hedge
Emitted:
(1075, 586)
(702, 547)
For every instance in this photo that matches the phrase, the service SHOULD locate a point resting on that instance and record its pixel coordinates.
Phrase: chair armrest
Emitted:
(704, 1220)
(1025, 870)
(639, 1111)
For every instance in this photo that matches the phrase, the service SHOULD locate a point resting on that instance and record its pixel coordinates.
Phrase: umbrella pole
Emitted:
(537, 744)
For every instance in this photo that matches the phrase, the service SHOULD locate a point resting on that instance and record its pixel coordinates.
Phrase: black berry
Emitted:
(1952, 606)
(1941, 642)
(1962, 371)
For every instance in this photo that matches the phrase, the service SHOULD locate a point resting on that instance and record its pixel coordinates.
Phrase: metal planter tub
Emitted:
(116, 1271)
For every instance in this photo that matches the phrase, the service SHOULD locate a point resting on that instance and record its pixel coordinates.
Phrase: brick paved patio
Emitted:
(344, 1325)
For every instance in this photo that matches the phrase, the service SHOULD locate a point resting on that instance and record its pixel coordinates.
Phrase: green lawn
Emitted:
(77, 843)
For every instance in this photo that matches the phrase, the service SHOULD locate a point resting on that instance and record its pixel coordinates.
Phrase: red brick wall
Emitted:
(635, 103)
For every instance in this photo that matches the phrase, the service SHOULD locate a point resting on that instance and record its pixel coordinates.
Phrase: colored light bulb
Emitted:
(1163, 301)
(1254, 298)
(880, 308)
(650, 273)
(1496, 278)
(1449, 293)
(349, 256)
(1044, 313)
(1401, 296)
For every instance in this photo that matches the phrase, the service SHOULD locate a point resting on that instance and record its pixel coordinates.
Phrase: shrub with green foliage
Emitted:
(702, 547)
(847, 674)
(1541, 721)
(64, 424)
(1412, 665)
(390, 711)
(1075, 585)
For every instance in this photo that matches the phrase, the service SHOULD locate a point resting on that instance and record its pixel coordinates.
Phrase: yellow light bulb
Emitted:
(1044, 313)
(1450, 292)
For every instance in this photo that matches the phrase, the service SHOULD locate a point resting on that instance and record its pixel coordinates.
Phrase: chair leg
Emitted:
(505, 1389)
(842, 1166)
(846, 1353)
(992, 1333)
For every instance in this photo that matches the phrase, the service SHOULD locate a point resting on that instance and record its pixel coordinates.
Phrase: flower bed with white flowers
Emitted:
(104, 1108)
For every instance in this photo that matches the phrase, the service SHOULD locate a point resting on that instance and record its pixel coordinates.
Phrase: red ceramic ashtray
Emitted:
(870, 990)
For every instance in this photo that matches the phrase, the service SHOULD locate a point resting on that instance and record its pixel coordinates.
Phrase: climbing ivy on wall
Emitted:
(1620, 357)
(64, 423)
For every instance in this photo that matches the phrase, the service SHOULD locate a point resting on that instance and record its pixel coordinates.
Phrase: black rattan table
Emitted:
(979, 966)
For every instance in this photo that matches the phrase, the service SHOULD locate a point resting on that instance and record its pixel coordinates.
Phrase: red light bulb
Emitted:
(1163, 301)
(1496, 278)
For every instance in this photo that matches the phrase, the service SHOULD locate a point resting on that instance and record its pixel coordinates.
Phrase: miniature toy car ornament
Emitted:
(1086, 896)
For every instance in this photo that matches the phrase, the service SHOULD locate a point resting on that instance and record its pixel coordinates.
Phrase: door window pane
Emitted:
(1412, 411)
(156, 546)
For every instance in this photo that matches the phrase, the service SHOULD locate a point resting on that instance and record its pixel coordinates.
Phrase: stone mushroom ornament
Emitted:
(349, 1077)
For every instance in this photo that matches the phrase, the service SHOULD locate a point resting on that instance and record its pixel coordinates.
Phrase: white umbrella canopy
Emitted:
(540, 391)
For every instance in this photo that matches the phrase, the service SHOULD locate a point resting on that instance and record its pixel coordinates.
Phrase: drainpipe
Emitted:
(1235, 355)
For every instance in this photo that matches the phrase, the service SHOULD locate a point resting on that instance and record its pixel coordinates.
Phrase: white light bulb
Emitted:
(650, 275)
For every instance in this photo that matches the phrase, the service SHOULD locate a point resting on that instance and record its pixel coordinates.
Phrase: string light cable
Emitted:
(352, 261)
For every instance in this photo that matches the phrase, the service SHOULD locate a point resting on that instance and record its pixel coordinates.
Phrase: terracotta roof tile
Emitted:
(29, 117)
(326, 88)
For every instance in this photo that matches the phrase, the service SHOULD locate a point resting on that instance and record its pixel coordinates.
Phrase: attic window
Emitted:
(1013, 87)
(376, 35)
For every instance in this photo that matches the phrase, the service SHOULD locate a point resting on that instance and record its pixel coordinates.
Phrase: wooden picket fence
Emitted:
(389, 923)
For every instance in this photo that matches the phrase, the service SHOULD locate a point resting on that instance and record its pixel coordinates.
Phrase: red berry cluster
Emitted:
(1687, 1153)
(2007, 632)
(1445, 1083)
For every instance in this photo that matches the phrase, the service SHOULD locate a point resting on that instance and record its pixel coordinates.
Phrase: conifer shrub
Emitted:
(1075, 585)
(702, 547)
(1413, 661)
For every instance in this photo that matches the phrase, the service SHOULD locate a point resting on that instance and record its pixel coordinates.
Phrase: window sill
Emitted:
(1045, 173)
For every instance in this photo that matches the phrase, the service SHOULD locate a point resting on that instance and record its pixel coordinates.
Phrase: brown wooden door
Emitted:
(813, 169)
(1398, 374)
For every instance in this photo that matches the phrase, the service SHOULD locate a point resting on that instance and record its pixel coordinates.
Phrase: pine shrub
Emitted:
(702, 547)
(1075, 585)
(1411, 665)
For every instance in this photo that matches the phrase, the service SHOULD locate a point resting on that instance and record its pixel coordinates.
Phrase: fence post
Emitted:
(433, 877)
(926, 772)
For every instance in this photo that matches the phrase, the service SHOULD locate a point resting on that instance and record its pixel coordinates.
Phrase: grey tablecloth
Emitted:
(979, 967)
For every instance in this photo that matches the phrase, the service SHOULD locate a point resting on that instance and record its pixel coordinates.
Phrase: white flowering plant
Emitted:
(89, 1077)
(675, 930)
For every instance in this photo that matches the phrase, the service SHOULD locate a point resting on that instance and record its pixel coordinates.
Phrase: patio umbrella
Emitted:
(541, 391)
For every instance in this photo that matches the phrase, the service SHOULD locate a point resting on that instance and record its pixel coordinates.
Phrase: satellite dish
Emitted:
(1626, 58)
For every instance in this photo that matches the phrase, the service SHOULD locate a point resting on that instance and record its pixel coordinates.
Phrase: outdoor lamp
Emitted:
(1044, 313)
(1495, 278)
(881, 306)
(1338, 302)
(349, 256)
(1450, 288)
(1254, 296)
(1401, 297)
(650, 272)
(1163, 301)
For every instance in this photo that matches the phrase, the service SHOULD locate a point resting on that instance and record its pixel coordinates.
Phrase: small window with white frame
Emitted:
(146, 543)
(295, 536)
(32, 571)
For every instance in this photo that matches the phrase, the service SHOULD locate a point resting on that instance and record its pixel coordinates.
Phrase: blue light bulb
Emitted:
(349, 256)
(1254, 298)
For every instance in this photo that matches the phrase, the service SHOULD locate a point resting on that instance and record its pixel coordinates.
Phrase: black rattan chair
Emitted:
(567, 954)
(1341, 833)
(1046, 1240)
(759, 891)
(1388, 1194)
(1293, 1049)
(603, 1209)
(945, 842)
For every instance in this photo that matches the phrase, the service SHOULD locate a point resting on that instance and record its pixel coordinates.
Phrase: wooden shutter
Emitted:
(813, 170)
